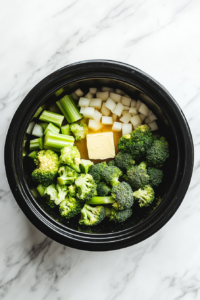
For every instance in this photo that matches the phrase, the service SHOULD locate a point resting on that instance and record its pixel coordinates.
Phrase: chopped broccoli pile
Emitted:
(72, 190)
(71, 157)
(102, 189)
(66, 175)
(70, 207)
(96, 171)
(118, 216)
(145, 195)
(155, 176)
(91, 216)
(86, 187)
(157, 153)
(111, 175)
(123, 196)
(124, 161)
(79, 131)
(137, 176)
(56, 193)
(86, 165)
(47, 167)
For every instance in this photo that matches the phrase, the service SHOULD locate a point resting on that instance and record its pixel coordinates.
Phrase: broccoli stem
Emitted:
(65, 130)
(57, 141)
(70, 108)
(51, 117)
(40, 190)
(107, 212)
(33, 154)
(114, 181)
(101, 200)
(52, 128)
(36, 144)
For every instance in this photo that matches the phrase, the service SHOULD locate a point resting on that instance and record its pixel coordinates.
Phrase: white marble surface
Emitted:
(157, 36)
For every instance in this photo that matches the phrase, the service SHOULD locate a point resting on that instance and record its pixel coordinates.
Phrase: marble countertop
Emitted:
(163, 39)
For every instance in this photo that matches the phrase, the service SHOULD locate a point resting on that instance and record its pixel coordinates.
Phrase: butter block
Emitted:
(100, 145)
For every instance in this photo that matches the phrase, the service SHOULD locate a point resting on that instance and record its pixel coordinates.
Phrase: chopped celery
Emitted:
(65, 130)
(32, 154)
(36, 144)
(51, 117)
(40, 190)
(52, 128)
(40, 109)
(70, 108)
(44, 125)
(63, 111)
(101, 200)
(57, 140)
(58, 92)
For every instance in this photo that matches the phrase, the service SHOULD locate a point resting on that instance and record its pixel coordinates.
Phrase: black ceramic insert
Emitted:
(171, 121)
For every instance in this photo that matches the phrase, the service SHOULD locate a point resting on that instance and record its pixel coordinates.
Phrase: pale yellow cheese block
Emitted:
(100, 145)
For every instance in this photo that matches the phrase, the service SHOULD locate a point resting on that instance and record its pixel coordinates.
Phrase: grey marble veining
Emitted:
(163, 39)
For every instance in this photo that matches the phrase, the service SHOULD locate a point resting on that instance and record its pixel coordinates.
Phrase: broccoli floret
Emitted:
(66, 175)
(86, 187)
(102, 189)
(56, 193)
(158, 152)
(111, 163)
(70, 207)
(137, 176)
(47, 167)
(118, 216)
(143, 133)
(111, 175)
(71, 156)
(144, 195)
(79, 131)
(155, 176)
(91, 216)
(123, 195)
(86, 165)
(96, 171)
(124, 161)
(72, 190)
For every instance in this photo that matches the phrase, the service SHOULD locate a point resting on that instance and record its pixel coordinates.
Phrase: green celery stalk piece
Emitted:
(101, 200)
(57, 140)
(70, 108)
(36, 144)
(52, 128)
(65, 130)
(33, 154)
(63, 111)
(51, 117)
(58, 92)
(43, 124)
(40, 190)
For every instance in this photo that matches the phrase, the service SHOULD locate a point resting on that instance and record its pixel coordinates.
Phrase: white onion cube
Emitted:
(138, 103)
(142, 117)
(114, 116)
(126, 101)
(37, 130)
(110, 104)
(135, 120)
(117, 126)
(104, 110)
(146, 121)
(74, 96)
(126, 129)
(93, 90)
(115, 97)
(102, 95)
(83, 102)
(30, 127)
(126, 107)
(89, 96)
(152, 118)
(153, 126)
(94, 125)
(96, 103)
(107, 89)
(107, 120)
(124, 112)
(82, 110)
(126, 118)
(79, 92)
(133, 103)
(89, 112)
(118, 109)
(133, 111)
(150, 113)
(120, 92)
(97, 116)
(143, 109)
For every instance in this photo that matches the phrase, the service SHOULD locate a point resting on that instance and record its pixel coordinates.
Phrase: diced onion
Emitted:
(115, 97)
(110, 104)
(104, 110)
(126, 129)
(138, 103)
(79, 92)
(97, 116)
(83, 102)
(30, 127)
(133, 111)
(94, 125)
(107, 120)
(107, 89)
(114, 116)
(117, 126)
(89, 96)
(150, 113)
(133, 103)
(146, 121)
(142, 117)
(82, 110)
(37, 130)
(135, 120)
(120, 92)
(93, 90)
(118, 109)
(102, 95)
(124, 112)
(126, 101)
(74, 96)
(143, 109)
(126, 108)
(89, 112)
(153, 126)
(96, 103)
(152, 118)
(126, 118)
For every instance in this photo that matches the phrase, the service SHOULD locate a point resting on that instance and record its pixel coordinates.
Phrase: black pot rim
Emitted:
(81, 240)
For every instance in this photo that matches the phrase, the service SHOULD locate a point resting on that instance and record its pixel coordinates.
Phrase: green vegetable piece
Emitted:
(118, 216)
(86, 187)
(145, 195)
(96, 171)
(36, 144)
(111, 175)
(33, 154)
(71, 156)
(41, 190)
(101, 200)
(111, 163)
(57, 141)
(66, 175)
(155, 176)
(52, 117)
(92, 216)
(70, 207)
(59, 92)
(65, 130)
(79, 131)
(85, 165)
(158, 153)
(102, 189)
(124, 161)
(123, 196)
(137, 176)
(72, 190)
(56, 193)
(67, 105)
(52, 128)
(44, 125)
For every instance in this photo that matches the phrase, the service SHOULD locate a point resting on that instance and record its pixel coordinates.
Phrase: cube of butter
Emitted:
(100, 145)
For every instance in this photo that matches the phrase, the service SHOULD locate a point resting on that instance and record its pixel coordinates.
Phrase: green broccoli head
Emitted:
(102, 189)
(66, 175)
(56, 193)
(123, 195)
(86, 187)
(47, 167)
(145, 195)
(111, 175)
(96, 171)
(155, 176)
(71, 156)
(72, 190)
(86, 165)
(158, 152)
(70, 207)
(124, 161)
(137, 176)
(79, 130)
(91, 216)
(111, 163)
(118, 216)
(143, 133)
(127, 145)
